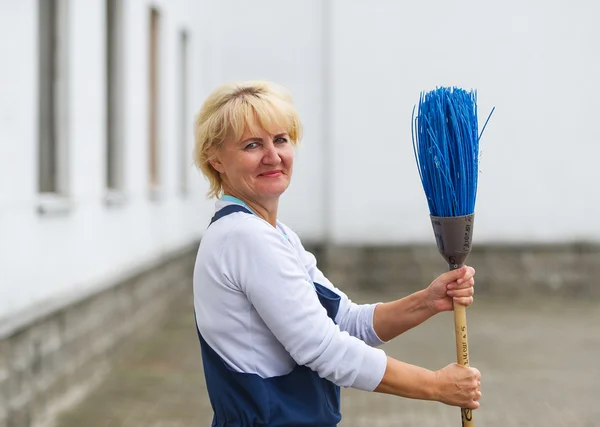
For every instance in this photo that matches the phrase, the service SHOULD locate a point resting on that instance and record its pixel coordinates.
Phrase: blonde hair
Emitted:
(232, 109)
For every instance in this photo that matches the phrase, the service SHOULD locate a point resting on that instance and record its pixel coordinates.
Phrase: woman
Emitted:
(278, 339)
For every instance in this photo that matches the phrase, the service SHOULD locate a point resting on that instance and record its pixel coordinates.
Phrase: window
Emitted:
(184, 128)
(153, 101)
(114, 100)
(52, 102)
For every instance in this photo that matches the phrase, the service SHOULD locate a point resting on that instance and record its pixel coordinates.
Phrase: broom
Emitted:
(446, 147)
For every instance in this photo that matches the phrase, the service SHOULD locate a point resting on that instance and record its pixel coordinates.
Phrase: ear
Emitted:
(215, 162)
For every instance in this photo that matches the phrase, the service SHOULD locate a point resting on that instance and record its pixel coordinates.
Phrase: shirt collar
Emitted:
(231, 199)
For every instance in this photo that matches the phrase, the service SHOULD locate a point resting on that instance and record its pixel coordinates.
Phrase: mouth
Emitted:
(271, 174)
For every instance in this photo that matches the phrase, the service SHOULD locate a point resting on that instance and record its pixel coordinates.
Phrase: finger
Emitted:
(463, 292)
(477, 374)
(477, 396)
(473, 404)
(466, 284)
(469, 273)
(452, 285)
(466, 301)
(453, 275)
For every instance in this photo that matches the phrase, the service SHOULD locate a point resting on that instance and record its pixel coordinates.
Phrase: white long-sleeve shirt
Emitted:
(256, 306)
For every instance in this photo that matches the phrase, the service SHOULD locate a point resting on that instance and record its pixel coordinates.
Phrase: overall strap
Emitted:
(227, 210)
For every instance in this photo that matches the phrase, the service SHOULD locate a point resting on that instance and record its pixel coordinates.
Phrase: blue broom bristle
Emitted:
(446, 146)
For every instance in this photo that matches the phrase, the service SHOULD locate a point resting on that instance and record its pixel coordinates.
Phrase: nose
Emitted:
(271, 154)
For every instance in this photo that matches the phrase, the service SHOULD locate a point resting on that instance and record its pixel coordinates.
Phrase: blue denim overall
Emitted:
(300, 398)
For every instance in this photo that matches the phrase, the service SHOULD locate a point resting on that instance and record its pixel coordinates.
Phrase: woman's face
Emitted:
(258, 166)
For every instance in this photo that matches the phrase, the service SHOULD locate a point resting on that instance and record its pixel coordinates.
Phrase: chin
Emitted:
(275, 189)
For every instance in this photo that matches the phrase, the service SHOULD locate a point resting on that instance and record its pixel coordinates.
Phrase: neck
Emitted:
(265, 209)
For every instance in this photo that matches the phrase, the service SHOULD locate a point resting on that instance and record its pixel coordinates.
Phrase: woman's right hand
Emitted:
(458, 386)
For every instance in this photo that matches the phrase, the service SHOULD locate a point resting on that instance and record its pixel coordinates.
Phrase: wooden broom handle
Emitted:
(462, 352)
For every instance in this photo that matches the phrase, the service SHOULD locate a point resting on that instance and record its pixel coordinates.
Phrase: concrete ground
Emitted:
(540, 362)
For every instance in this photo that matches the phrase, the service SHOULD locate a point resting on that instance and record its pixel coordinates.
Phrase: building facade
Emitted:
(101, 208)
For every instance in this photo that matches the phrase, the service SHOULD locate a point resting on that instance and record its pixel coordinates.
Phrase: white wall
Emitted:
(48, 259)
(355, 69)
(357, 76)
(535, 61)
(282, 42)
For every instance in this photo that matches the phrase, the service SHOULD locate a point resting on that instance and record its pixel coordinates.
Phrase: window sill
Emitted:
(54, 204)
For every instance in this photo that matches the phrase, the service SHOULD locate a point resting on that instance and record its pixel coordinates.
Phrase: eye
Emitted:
(251, 146)
(281, 140)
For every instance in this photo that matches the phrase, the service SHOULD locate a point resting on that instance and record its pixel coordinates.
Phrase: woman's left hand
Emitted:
(456, 285)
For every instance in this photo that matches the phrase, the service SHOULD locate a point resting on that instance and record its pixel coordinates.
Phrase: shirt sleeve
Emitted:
(356, 319)
(263, 264)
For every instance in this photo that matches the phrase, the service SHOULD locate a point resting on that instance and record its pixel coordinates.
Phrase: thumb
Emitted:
(453, 275)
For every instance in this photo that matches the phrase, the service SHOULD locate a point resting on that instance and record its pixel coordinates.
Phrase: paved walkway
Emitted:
(540, 364)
